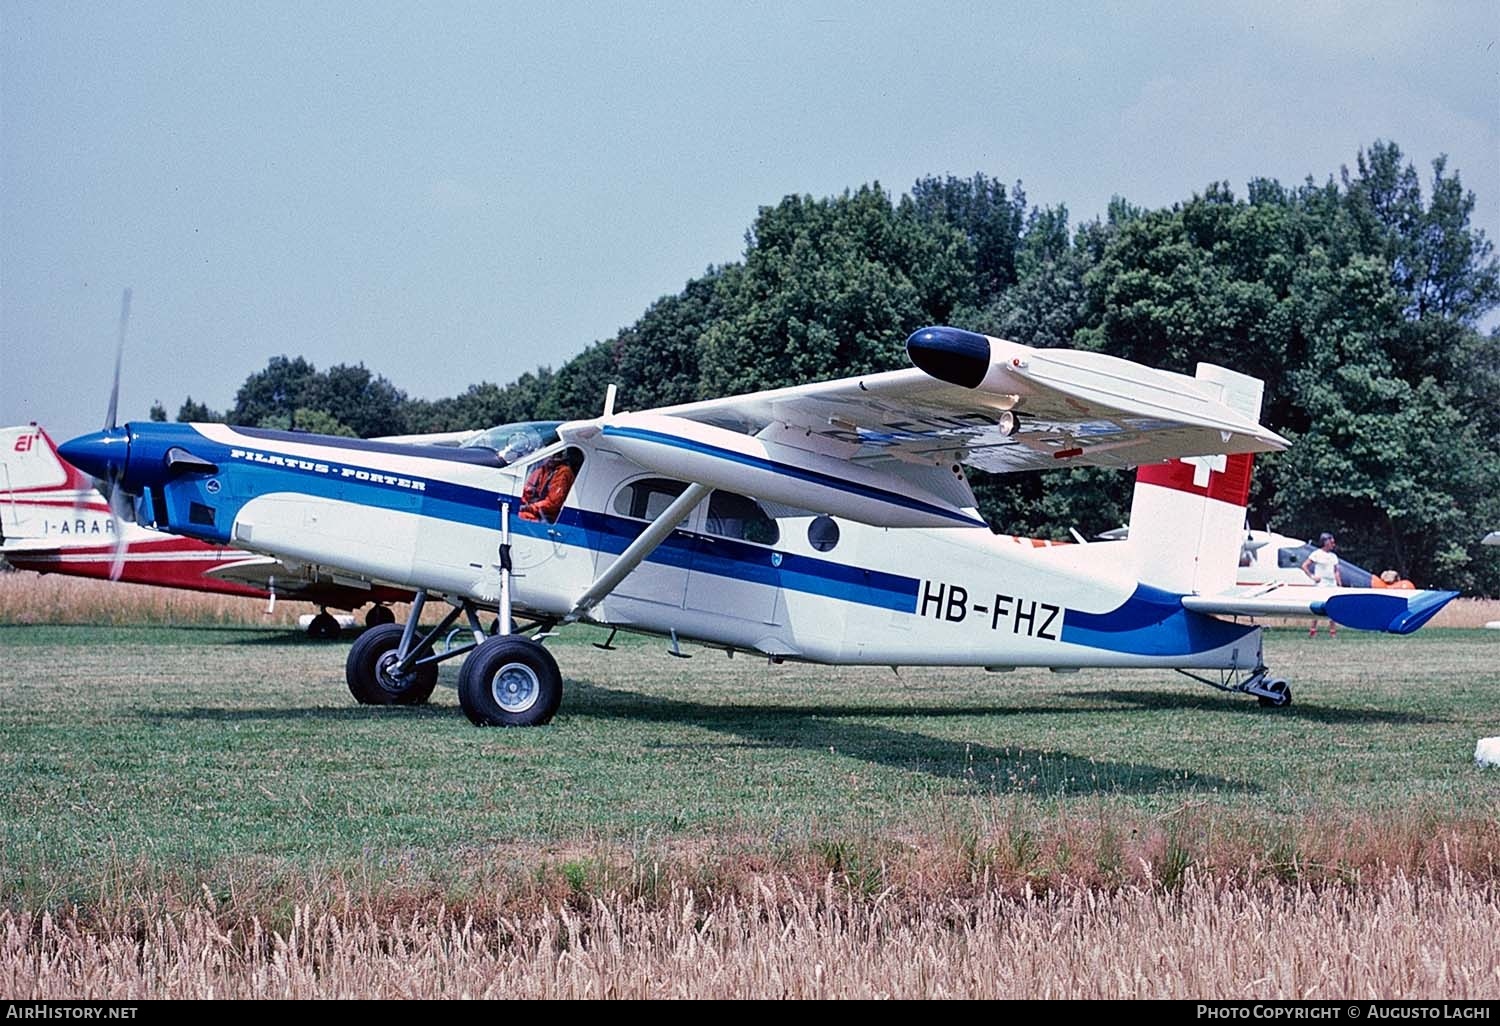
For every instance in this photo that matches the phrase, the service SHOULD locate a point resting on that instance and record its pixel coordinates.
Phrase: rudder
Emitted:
(1187, 517)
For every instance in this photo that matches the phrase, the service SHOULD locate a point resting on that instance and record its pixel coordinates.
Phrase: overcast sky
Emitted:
(452, 193)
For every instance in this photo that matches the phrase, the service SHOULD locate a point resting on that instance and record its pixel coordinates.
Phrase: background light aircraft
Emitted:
(1268, 558)
(53, 520)
(829, 522)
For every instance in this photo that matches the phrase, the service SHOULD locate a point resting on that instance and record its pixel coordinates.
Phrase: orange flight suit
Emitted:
(546, 488)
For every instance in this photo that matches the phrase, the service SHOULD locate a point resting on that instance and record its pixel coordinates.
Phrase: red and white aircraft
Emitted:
(54, 520)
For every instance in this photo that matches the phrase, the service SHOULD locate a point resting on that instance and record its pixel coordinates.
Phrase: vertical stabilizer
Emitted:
(1187, 518)
(36, 483)
(29, 463)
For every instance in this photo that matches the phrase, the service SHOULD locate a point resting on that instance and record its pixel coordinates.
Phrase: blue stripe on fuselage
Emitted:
(1151, 622)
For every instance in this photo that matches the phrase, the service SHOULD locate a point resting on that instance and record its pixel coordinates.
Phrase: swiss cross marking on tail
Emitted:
(1204, 466)
(1225, 478)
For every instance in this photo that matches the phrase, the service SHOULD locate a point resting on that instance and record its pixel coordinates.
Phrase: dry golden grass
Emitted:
(1467, 612)
(1402, 939)
(31, 598)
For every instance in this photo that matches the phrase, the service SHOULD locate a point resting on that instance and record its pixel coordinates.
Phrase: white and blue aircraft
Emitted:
(829, 523)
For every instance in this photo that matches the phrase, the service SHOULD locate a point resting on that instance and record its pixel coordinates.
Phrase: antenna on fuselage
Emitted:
(609, 400)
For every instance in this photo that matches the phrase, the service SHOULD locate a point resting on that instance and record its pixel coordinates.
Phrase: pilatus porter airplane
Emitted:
(829, 523)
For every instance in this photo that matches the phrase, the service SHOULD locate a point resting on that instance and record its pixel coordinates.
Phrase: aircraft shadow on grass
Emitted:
(970, 766)
(1151, 701)
(978, 767)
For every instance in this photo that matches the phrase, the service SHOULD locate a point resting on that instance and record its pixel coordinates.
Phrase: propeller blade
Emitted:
(114, 390)
(119, 514)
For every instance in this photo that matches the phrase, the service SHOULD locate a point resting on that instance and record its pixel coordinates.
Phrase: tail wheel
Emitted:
(509, 682)
(1280, 693)
(372, 674)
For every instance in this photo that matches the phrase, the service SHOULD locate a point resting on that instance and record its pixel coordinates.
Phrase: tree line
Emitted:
(1359, 300)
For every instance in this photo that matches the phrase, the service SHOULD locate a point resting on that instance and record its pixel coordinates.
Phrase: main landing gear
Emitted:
(507, 680)
(1270, 692)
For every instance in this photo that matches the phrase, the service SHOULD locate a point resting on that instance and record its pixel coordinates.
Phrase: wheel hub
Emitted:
(515, 687)
(389, 676)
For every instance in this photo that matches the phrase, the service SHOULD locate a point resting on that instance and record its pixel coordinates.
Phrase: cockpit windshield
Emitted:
(512, 442)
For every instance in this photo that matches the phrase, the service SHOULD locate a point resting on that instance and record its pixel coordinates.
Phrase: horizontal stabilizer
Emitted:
(1364, 609)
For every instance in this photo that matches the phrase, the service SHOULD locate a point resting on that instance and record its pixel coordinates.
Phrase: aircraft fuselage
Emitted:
(780, 583)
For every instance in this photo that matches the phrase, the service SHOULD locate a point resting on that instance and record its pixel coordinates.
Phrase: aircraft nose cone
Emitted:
(101, 454)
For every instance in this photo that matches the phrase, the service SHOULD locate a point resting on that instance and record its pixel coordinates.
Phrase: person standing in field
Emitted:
(1323, 567)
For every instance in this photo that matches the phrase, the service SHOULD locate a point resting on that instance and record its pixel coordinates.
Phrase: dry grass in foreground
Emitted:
(1400, 939)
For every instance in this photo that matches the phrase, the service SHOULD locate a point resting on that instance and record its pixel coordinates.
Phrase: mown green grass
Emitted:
(175, 748)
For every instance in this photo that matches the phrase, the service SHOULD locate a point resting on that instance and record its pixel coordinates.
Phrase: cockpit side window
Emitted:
(736, 516)
(548, 483)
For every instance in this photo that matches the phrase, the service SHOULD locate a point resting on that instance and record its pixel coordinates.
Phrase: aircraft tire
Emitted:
(377, 615)
(368, 672)
(509, 682)
(1283, 694)
(324, 627)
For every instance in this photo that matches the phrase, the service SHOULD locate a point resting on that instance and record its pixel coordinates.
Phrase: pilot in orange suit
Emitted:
(546, 488)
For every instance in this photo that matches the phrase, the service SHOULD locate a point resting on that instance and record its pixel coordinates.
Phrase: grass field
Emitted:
(215, 780)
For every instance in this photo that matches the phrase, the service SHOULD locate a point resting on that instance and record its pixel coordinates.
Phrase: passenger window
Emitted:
(648, 498)
(823, 533)
(734, 516)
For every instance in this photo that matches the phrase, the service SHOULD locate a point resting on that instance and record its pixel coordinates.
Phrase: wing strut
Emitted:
(638, 550)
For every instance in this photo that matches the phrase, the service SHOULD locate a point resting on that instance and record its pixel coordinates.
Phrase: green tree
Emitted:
(319, 422)
(366, 403)
(830, 287)
(276, 391)
(193, 412)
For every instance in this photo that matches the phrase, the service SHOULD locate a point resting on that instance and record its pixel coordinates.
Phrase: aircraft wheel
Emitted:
(323, 627)
(509, 682)
(377, 615)
(370, 670)
(1281, 693)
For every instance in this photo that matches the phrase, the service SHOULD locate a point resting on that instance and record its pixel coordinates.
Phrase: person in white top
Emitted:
(1323, 567)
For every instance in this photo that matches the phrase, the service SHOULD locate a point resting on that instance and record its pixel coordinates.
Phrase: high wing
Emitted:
(1070, 407)
(886, 449)
(1367, 609)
